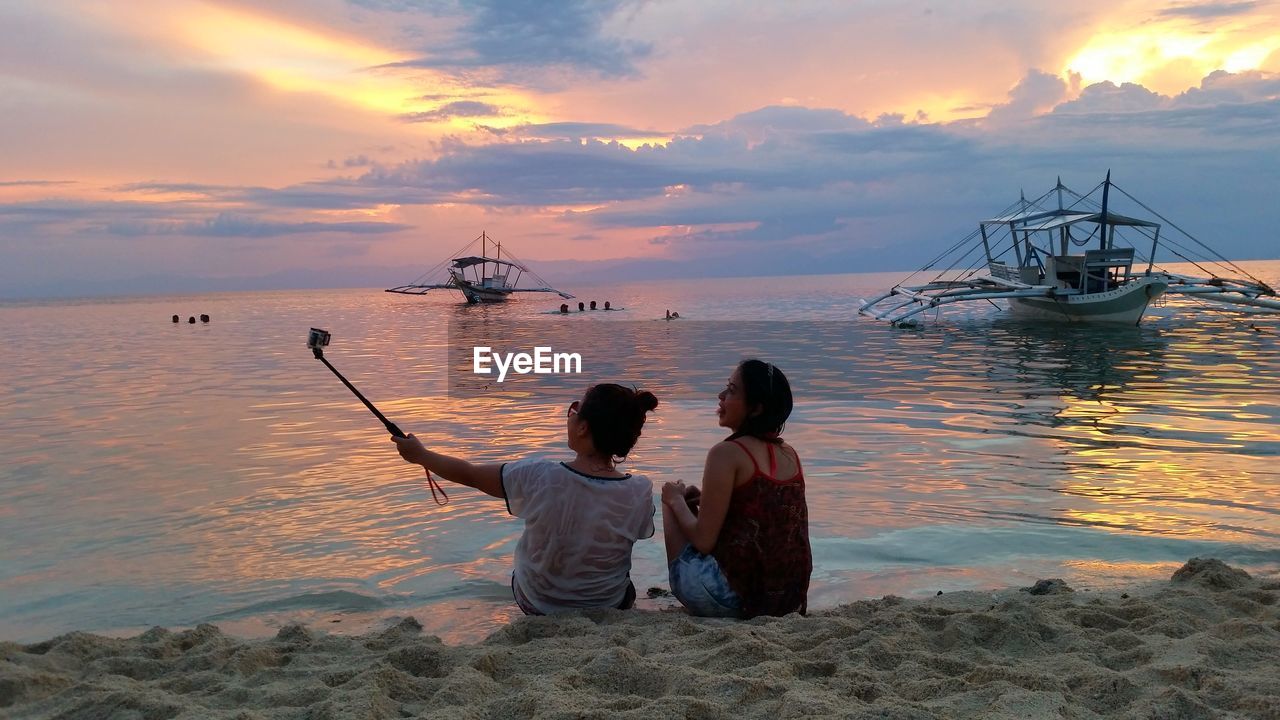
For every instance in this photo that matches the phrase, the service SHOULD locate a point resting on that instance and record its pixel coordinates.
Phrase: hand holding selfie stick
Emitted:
(317, 340)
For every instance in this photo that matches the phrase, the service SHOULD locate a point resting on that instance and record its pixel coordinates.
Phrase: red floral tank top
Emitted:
(763, 548)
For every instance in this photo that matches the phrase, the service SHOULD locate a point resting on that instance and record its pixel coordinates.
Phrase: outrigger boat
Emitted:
(1031, 261)
(480, 278)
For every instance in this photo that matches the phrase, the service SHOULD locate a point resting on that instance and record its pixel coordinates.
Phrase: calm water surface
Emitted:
(161, 474)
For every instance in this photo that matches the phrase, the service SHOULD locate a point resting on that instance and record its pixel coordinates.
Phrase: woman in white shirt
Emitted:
(582, 517)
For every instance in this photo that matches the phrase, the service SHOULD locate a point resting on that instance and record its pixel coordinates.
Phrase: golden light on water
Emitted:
(1015, 453)
(1135, 448)
(354, 502)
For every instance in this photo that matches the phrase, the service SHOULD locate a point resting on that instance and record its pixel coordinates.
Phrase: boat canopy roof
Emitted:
(1033, 219)
(466, 262)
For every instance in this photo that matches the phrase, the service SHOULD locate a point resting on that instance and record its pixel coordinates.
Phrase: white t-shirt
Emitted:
(579, 529)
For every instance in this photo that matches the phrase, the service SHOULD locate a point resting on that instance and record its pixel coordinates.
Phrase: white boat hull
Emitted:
(477, 295)
(1123, 305)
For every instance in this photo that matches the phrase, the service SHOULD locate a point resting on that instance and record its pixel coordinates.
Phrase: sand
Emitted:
(1205, 644)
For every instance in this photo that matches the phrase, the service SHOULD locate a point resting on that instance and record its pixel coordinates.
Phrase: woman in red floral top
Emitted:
(739, 547)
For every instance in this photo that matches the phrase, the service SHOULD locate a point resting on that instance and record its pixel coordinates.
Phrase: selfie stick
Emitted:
(316, 343)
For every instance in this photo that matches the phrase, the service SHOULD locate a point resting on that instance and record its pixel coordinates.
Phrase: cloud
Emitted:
(186, 188)
(34, 183)
(1036, 92)
(1219, 90)
(190, 219)
(341, 195)
(321, 195)
(768, 150)
(522, 39)
(779, 149)
(577, 131)
(240, 226)
(792, 176)
(897, 141)
(1208, 10)
(50, 212)
(459, 109)
(819, 187)
(1221, 87)
(785, 119)
(353, 161)
(1107, 97)
(404, 6)
(531, 173)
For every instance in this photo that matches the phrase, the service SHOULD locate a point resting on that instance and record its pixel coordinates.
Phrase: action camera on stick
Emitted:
(317, 340)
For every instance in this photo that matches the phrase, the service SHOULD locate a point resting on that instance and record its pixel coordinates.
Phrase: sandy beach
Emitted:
(1202, 645)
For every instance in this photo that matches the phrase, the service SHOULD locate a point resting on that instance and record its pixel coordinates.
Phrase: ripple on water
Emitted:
(174, 474)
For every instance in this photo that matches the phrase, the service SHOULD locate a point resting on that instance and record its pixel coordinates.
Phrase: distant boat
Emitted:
(1046, 279)
(480, 278)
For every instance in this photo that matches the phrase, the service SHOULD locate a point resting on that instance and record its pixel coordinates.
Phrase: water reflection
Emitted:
(1123, 430)
(177, 474)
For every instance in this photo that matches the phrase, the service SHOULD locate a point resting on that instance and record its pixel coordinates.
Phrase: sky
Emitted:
(163, 145)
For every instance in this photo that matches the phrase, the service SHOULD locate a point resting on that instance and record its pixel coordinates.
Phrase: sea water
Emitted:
(159, 473)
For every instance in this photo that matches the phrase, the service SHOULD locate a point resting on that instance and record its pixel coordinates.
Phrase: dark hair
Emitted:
(615, 414)
(763, 386)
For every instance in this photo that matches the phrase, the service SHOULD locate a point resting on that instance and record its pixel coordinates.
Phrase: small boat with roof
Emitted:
(480, 278)
(1067, 257)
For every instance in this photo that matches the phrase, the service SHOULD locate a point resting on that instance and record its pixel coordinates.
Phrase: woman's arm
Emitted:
(485, 478)
(703, 529)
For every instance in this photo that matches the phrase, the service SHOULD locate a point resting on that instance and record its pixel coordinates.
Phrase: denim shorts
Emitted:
(699, 585)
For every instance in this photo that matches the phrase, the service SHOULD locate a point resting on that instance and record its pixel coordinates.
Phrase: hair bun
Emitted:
(646, 400)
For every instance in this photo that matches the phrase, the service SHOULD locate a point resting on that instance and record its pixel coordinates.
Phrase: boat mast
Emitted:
(1064, 232)
(497, 256)
(1155, 241)
(1013, 227)
(1106, 189)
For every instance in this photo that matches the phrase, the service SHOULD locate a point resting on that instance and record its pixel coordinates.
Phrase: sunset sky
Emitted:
(152, 145)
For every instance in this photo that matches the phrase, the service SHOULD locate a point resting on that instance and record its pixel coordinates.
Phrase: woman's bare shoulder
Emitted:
(728, 452)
